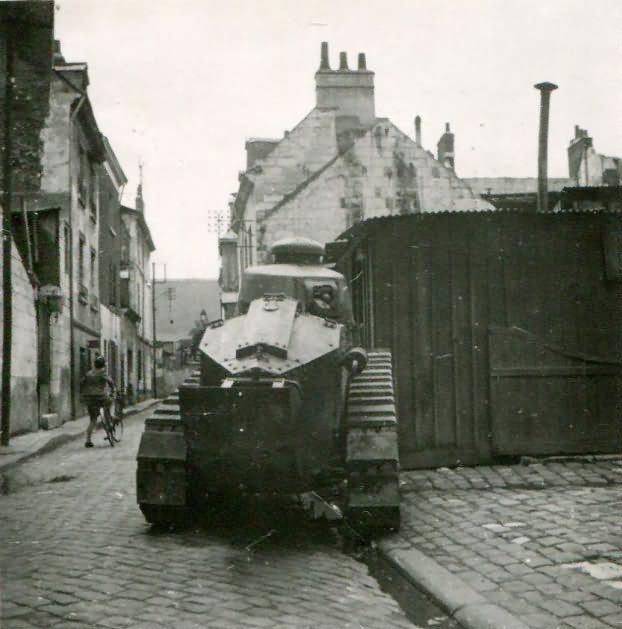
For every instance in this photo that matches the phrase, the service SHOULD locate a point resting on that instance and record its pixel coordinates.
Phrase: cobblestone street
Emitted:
(542, 541)
(76, 552)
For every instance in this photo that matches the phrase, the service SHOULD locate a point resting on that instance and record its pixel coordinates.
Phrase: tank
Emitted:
(284, 403)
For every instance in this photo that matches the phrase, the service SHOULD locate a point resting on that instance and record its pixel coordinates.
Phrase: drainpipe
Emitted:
(72, 358)
(545, 97)
(7, 243)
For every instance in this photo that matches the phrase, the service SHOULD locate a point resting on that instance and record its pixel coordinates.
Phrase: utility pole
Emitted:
(153, 316)
(7, 243)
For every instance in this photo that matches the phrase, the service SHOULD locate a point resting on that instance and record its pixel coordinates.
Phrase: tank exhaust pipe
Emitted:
(545, 99)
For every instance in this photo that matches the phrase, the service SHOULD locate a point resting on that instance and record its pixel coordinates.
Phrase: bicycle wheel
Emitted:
(107, 424)
(117, 429)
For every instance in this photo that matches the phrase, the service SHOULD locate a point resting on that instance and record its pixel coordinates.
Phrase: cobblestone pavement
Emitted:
(76, 552)
(543, 541)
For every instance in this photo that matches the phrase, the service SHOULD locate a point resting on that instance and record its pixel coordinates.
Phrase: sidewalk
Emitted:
(32, 444)
(510, 547)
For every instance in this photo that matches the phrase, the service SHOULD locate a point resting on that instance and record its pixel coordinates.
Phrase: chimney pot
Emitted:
(343, 61)
(324, 63)
(418, 130)
(447, 129)
(362, 63)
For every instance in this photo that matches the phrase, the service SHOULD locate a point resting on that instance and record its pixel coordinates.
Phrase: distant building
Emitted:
(589, 168)
(136, 301)
(179, 304)
(340, 165)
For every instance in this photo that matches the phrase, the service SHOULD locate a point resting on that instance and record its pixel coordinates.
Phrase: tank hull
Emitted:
(266, 435)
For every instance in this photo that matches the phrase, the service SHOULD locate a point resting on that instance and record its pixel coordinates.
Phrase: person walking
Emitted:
(96, 391)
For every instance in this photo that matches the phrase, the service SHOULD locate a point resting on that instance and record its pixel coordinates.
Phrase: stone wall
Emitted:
(24, 407)
(383, 173)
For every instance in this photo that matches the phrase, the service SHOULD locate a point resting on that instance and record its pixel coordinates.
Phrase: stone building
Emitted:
(112, 181)
(26, 49)
(589, 168)
(80, 263)
(136, 364)
(341, 164)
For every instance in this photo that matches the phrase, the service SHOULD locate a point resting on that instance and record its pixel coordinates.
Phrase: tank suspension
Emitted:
(372, 457)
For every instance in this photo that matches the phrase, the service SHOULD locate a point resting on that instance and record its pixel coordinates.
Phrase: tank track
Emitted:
(167, 418)
(372, 457)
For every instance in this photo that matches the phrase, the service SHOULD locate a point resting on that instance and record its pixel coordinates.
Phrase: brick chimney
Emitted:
(576, 149)
(349, 91)
(445, 148)
(418, 130)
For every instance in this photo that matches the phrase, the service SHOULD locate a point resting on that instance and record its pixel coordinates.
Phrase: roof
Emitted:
(513, 185)
(112, 160)
(592, 193)
(179, 303)
(361, 229)
(141, 222)
(521, 202)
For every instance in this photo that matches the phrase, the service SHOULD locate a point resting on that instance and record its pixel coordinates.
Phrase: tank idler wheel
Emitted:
(164, 515)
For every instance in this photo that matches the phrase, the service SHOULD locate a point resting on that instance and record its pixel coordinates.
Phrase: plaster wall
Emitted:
(24, 401)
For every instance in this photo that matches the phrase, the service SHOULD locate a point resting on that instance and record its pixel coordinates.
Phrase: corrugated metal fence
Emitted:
(505, 330)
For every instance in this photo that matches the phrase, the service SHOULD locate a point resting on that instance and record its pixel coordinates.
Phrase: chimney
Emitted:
(140, 203)
(445, 148)
(418, 130)
(576, 151)
(324, 62)
(58, 55)
(543, 142)
(351, 92)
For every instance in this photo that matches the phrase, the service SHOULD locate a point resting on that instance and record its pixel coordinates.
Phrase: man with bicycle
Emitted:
(96, 390)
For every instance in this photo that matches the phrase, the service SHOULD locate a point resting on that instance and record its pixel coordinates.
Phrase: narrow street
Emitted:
(76, 552)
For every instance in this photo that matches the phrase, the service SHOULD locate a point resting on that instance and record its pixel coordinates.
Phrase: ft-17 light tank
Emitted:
(283, 403)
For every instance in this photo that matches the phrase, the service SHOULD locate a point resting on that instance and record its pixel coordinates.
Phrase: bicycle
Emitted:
(113, 424)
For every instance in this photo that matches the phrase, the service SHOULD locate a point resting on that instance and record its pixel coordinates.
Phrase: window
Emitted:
(67, 239)
(81, 260)
(92, 192)
(93, 268)
(82, 176)
(112, 284)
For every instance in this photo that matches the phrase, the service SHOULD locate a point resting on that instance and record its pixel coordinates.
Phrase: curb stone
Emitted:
(57, 440)
(449, 592)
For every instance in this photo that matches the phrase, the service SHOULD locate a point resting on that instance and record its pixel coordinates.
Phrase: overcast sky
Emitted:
(181, 84)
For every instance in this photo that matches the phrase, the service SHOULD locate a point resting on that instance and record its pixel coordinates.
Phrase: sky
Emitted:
(179, 85)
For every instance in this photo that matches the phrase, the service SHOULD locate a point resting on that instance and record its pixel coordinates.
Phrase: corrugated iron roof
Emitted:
(357, 230)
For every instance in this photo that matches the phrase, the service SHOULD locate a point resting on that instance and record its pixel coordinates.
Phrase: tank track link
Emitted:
(166, 418)
(372, 457)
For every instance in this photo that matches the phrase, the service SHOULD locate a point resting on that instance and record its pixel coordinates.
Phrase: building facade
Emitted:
(80, 262)
(341, 164)
(136, 302)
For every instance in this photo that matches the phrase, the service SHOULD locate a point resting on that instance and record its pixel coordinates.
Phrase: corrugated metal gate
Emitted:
(505, 330)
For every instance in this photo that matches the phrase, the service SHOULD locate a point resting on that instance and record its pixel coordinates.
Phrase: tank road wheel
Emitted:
(161, 483)
(372, 457)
